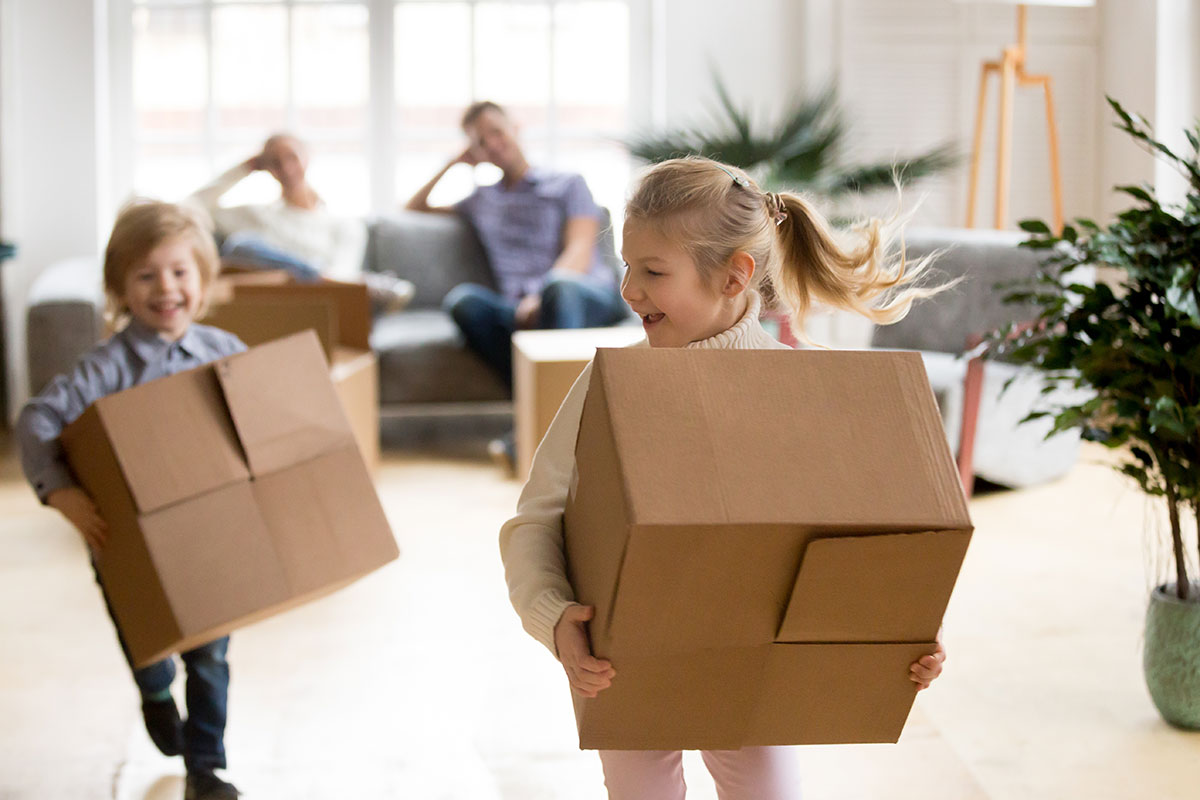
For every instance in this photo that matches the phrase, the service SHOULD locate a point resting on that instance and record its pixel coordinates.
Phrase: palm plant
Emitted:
(801, 151)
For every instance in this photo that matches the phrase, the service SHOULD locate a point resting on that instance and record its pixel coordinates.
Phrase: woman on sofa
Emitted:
(297, 232)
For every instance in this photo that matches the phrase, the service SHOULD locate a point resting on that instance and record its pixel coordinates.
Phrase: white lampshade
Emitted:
(1031, 2)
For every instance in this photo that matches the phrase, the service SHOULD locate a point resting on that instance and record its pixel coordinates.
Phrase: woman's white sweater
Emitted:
(531, 543)
(333, 245)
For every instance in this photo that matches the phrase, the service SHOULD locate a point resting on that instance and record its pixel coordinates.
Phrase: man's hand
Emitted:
(587, 674)
(467, 157)
(528, 311)
(75, 504)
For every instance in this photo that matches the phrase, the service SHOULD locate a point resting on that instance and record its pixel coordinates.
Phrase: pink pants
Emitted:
(752, 773)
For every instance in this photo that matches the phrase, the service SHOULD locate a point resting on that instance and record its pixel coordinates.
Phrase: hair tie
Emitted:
(776, 207)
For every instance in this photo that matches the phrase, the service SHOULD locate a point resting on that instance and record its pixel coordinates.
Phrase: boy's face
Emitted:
(663, 286)
(164, 291)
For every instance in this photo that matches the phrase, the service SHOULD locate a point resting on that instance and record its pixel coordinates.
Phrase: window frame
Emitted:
(383, 133)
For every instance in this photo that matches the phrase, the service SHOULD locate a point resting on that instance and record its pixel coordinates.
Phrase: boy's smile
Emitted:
(164, 291)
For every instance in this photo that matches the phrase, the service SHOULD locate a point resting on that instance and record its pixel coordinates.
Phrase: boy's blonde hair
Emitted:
(715, 210)
(143, 225)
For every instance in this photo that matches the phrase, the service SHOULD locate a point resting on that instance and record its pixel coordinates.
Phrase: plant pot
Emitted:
(1171, 657)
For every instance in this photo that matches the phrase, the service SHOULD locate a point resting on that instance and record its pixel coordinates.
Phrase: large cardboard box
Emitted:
(231, 492)
(545, 366)
(769, 539)
(259, 309)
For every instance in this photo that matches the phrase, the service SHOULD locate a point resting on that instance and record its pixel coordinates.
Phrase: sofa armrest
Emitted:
(64, 318)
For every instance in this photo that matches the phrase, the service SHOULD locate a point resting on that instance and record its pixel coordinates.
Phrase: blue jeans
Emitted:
(487, 319)
(206, 694)
(250, 250)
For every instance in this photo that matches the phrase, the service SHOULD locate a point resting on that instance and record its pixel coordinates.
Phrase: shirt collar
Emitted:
(149, 346)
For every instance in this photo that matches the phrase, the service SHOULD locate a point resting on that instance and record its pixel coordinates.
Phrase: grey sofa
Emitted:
(424, 365)
(1005, 451)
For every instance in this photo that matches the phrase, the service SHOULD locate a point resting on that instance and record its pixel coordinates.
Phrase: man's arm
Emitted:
(579, 242)
(420, 200)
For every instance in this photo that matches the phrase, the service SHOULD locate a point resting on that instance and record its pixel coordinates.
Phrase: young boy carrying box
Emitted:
(159, 267)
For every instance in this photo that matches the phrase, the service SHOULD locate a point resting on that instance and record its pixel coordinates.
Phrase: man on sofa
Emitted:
(539, 229)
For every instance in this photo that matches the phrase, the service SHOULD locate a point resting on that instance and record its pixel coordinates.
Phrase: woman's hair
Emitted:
(143, 225)
(714, 210)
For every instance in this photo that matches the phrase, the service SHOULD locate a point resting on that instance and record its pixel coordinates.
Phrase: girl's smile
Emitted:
(662, 284)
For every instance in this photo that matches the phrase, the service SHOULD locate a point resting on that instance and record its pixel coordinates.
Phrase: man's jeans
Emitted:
(206, 693)
(249, 250)
(487, 319)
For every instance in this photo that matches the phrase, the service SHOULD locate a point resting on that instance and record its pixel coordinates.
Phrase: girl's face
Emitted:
(663, 285)
(164, 291)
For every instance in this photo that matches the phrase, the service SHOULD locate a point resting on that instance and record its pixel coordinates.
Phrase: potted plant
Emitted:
(1135, 346)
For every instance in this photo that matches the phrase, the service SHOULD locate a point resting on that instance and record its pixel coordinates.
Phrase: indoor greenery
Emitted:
(1134, 345)
(802, 151)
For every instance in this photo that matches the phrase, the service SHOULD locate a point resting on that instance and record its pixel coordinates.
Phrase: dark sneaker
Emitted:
(207, 786)
(164, 725)
(504, 455)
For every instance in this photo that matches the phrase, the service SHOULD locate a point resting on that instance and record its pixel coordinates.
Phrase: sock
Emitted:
(158, 697)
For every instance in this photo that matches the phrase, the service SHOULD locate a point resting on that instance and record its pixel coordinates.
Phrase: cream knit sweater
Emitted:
(531, 543)
(334, 245)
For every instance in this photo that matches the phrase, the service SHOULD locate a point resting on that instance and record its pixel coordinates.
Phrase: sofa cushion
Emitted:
(435, 251)
(423, 359)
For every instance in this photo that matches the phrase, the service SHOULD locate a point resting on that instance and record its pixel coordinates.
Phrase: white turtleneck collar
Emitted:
(745, 334)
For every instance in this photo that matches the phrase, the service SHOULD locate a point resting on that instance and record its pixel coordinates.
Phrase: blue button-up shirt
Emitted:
(521, 227)
(133, 356)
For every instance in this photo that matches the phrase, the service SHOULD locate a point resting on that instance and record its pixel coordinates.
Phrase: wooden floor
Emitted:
(419, 683)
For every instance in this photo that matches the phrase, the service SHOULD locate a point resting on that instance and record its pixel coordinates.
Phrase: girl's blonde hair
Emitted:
(143, 225)
(715, 210)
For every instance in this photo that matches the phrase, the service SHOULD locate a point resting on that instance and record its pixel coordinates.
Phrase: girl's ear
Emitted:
(739, 272)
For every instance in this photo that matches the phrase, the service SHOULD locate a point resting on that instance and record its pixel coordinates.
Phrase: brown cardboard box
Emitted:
(339, 313)
(545, 365)
(769, 538)
(231, 492)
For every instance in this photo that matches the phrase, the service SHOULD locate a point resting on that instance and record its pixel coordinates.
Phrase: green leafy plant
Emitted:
(1135, 346)
(801, 151)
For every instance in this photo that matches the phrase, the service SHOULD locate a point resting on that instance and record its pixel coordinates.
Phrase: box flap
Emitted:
(282, 402)
(890, 588)
(172, 438)
(325, 520)
(834, 693)
(827, 438)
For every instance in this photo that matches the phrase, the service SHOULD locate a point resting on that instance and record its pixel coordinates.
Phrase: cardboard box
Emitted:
(231, 492)
(545, 366)
(769, 538)
(339, 313)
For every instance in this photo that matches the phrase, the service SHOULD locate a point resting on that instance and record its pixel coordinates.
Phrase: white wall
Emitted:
(752, 44)
(54, 179)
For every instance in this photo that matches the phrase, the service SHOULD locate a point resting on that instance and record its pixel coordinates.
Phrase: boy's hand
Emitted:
(75, 504)
(528, 311)
(467, 157)
(923, 671)
(587, 674)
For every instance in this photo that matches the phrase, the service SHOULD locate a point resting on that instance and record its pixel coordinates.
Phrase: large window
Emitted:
(375, 86)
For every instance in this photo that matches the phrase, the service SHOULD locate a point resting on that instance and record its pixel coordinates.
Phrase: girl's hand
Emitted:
(926, 668)
(75, 504)
(587, 674)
